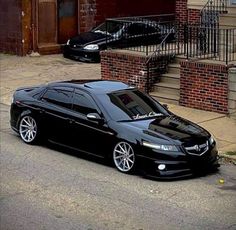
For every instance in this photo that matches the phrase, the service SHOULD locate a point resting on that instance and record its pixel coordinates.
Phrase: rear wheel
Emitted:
(124, 157)
(28, 129)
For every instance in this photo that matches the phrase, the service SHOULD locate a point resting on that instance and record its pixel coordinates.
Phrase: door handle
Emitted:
(41, 111)
(71, 121)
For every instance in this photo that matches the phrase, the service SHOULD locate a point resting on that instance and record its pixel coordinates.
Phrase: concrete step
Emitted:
(227, 20)
(171, 78)
(167, 88)
(179, 58)
(232, 104)
(231, 9)
(165, 98)
(174, 68)
(232, 86)
(45, 49)
(232, 94)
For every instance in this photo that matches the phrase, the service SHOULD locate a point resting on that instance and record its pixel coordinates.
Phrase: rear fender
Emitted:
(24, 113)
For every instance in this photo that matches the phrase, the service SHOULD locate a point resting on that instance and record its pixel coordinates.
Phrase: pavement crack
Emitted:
(212, 119)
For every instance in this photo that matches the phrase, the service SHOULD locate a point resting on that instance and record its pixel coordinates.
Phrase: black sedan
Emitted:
(110, 119)
(87, 46)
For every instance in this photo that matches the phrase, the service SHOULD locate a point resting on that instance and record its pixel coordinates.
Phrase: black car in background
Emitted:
(110, 119)
(87, 46)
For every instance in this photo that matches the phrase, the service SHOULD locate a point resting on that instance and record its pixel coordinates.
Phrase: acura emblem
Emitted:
(196, 147)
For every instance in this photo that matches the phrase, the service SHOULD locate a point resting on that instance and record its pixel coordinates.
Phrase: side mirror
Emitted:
(95, 117)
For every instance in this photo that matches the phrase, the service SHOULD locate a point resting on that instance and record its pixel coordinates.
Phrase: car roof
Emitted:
(95, 86)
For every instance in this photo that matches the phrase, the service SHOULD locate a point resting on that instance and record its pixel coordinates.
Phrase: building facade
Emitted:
(43, 25)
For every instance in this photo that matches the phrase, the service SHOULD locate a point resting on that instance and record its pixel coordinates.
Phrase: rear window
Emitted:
(58, 96)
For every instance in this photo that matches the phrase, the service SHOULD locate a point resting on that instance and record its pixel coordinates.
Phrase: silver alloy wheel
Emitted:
(123, 156)
(28, 129)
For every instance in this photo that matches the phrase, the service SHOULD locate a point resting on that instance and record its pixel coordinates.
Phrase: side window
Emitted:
(83, 103)
(149, 29)
(58, 96)
(134, 29)
(140, 29)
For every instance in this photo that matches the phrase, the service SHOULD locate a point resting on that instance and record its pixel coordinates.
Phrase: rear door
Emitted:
(56, 108)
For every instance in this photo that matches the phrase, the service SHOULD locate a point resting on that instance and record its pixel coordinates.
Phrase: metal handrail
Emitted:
(211, 11)
(158, 50)
(218, 5)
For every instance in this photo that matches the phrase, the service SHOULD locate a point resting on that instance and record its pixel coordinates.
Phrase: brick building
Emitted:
(42, 25)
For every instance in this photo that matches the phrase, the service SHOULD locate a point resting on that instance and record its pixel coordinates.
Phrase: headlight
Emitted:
(68, 42)
(211, 140)
(170, 148)
(91, 47)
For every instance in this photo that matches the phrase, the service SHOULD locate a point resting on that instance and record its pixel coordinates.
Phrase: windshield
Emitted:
(130, 105)
(110, 28)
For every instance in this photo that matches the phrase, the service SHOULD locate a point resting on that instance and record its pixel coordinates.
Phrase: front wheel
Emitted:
(124, 157)
(28, 129)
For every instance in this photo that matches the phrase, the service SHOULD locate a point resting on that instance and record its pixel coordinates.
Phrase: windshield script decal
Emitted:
(151, 114)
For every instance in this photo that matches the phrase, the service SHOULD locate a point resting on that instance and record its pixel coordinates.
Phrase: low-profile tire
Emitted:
(124, 157)
(29, 130)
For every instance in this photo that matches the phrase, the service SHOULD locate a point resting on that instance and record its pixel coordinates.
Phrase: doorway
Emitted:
(67, 19)
(56, 21)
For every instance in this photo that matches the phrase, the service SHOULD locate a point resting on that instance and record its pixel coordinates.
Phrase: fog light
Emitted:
(161, 167)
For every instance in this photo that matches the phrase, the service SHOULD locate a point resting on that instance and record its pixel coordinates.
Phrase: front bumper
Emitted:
(80, 54)
(179, 167)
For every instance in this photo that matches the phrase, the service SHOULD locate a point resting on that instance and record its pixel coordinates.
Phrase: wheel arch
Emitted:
(23, 113)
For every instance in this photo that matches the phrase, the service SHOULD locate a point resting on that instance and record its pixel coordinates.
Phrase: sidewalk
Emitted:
(25, 71)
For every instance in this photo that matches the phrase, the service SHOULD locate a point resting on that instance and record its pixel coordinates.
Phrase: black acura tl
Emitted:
(110, 119)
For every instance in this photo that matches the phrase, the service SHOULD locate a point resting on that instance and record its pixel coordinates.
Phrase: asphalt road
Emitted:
(43, 188)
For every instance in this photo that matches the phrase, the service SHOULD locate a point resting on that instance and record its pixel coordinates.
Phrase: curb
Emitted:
(230, 159)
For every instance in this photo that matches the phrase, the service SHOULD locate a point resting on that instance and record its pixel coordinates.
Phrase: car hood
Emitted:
(88, 38)
(171, 128)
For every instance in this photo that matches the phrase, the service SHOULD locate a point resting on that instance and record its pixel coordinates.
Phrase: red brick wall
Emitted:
(181, 11)
(93, 12)
(183, 14)
(87, 13)
(193, 16)
(204, 86)
(11, 27)
(128, 68)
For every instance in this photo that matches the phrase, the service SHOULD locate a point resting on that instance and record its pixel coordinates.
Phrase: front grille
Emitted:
(76, 45)
(198, 149)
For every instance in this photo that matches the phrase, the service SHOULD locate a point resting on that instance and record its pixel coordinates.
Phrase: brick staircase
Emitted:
(167, 90)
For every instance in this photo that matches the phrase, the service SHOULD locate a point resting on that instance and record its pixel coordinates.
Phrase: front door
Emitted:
(89, 136)
(67, 19)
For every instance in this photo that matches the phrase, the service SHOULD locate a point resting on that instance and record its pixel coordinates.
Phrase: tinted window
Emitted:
(109, 28)
(139, 29)
(135, 29)
(83, 103)
(58, 96)
(131, 105)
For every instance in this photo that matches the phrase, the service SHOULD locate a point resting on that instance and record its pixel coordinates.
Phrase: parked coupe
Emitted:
(110, 119)
(87, 46)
